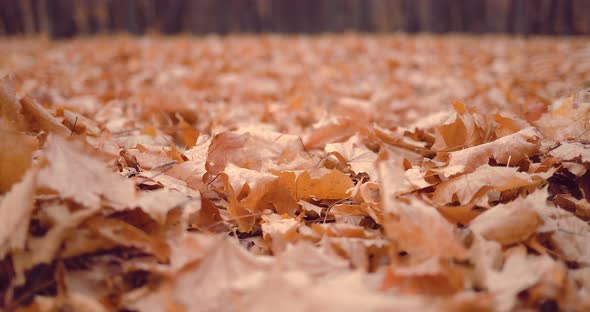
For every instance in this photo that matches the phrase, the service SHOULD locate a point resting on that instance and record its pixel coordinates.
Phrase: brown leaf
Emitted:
(430, 277)
(280, 231)
(355, 154)
(10, 108)
(15, 212)
(313, 260)
(462, 130)
(467, 187)
(16, 151)
(124, 234)
(158, 203)
(205, 286)
(332, 130)
(418, 229)
(508, 223)
(511, 149)
(45, 120)
(320, 183)
(572, 151)
(76, 174)
(44, 249)
(519, 272)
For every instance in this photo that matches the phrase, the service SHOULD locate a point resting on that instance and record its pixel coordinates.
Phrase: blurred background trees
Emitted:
(64, 18)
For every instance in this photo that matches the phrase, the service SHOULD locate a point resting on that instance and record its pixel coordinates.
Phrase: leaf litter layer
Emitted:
(329, 173)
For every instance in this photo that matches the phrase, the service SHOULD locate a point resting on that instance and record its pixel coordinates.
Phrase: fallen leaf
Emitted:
(508, 223)
(86, 179)
(571, 152)
(510, 149)
(40, 115)
(360, 158)
(417, 228)
(15, 210)
(124, 234)
(16, 152)
(519, 272)
(466, 187)
(44, 249)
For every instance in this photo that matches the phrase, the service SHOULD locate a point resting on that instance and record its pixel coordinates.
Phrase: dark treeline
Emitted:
(64, 18)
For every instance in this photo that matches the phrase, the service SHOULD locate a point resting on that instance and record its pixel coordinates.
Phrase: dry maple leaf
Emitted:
(510, 149)
(15, 210)
(75, 174)
(226, 263)
(254, 149)
(125, 234)
(27, 113)
(417, 228)
(246, 190)
(519, 272)
(360, 158)
(462, 130)
(580, 207)
(159, 203)
(315, 261)
(45, 120)
(565, 121)
(570, 235)
(16, 151)
(331, 130)
(433, 277)
(572, 240)
(44, 249)
(279, 230)
(397, 138)
(572, 151)
(399, 182)
(508, 123)
(80, 124)
(193, 170)
(487, 258)
(508, 223)
(10, 108)
(466, 187)
(319, 183)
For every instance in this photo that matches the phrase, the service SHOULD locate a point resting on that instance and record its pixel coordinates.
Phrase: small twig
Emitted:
(573, 233)
(165, 165)
(74, 126)
(582, 134)
(321, 160)
(330, 207)
(235, 218)
(303, 146)
(217, 176)
(31, 292)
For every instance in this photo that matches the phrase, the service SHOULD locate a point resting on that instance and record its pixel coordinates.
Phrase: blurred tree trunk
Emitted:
(63, 18)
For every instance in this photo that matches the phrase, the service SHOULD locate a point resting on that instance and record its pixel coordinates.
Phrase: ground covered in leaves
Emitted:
(330, 173)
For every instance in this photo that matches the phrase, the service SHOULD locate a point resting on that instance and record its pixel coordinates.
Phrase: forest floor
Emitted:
(295, 173)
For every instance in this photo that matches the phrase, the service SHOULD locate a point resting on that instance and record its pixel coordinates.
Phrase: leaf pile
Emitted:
(330, 173)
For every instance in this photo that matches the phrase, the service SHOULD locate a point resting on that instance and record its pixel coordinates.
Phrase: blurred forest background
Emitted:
(65, 18)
